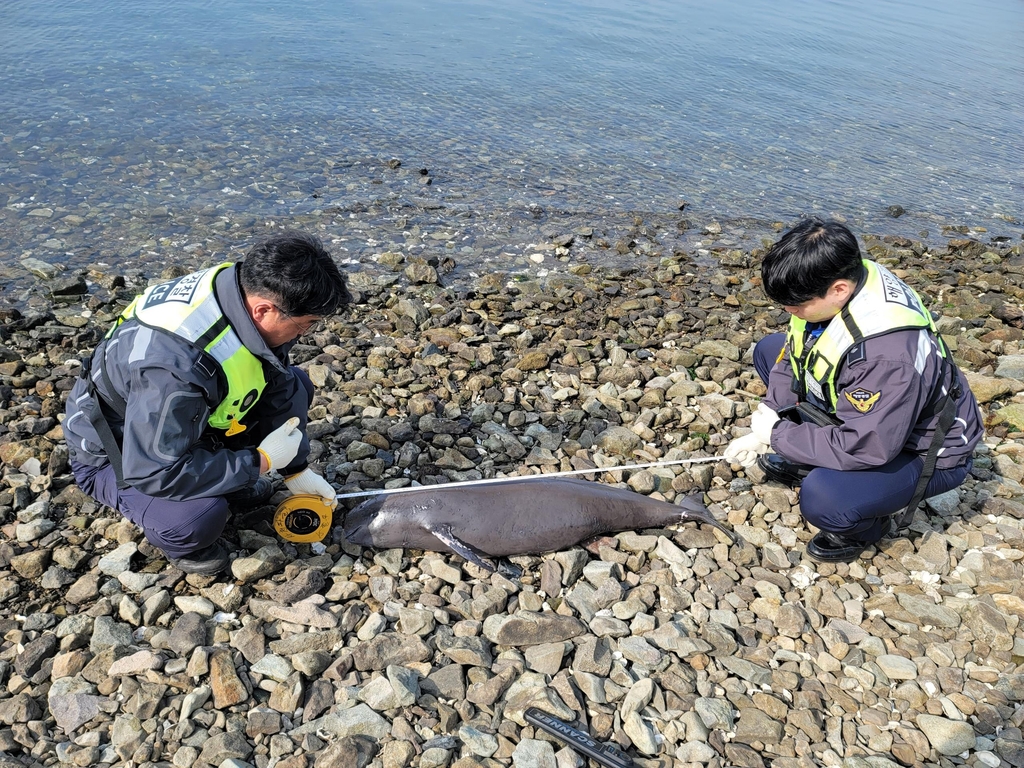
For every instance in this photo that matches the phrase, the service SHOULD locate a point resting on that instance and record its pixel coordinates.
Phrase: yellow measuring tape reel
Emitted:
(302, 518)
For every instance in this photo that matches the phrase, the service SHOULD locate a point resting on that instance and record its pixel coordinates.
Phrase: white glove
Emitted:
(745, 450)
(282, 445)
(762, 421)
(308, 481)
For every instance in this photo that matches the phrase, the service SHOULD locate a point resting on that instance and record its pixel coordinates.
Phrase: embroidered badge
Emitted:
(862, 400)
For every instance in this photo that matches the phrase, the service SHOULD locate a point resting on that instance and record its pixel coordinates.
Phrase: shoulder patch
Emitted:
(862, 400)
(856, 353)
(206, 366)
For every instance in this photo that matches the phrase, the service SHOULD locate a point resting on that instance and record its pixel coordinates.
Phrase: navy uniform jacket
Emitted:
(883, 388)
(168, 449)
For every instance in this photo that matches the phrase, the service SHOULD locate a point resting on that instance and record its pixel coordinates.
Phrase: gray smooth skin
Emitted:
(512, 518)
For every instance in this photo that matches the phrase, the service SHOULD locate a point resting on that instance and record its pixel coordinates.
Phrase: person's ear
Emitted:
(842, 289)
(259, 307)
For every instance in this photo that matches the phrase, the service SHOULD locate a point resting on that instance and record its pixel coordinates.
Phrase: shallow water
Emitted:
(159, 127)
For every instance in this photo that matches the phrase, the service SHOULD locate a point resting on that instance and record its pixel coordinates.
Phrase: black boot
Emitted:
(828, 547)
(207, 561)
(781, 471)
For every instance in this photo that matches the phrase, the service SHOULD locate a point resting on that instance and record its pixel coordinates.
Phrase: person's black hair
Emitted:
(295, 271)
(807, 259)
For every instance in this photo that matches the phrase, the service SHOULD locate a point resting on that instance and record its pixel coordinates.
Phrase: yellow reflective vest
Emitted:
(187, 307)
(882, 304)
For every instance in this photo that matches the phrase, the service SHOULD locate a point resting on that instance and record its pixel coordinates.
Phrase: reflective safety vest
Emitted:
(187, 307)
(883, 304)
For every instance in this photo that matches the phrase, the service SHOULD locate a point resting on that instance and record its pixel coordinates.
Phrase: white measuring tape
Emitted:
(495, 480)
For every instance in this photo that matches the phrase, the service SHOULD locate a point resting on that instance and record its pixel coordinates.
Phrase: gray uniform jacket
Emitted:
(168, 450)
(891, 377)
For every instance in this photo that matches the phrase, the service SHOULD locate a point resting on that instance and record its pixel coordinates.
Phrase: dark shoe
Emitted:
(208, 560)
(828, 547)
(781, 471)
(254, 495)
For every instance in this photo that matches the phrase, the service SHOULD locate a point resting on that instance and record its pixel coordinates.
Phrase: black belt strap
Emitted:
(903, 519)
(99, 421)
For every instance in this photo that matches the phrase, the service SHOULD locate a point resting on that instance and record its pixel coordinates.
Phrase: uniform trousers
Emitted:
(177, 527)
(859, 503)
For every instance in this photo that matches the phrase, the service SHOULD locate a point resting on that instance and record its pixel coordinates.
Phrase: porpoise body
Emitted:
(511, 518)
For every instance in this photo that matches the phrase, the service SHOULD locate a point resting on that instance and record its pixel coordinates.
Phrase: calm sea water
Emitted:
(145, 118)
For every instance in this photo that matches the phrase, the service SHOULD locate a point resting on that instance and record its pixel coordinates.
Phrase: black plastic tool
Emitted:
(605, 754)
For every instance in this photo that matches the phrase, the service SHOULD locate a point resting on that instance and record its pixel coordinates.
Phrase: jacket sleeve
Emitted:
(163, 450)
(866, 438)
(284, 397)
(780, 383)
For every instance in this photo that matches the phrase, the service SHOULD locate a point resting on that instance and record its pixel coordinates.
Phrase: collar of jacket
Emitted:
(229, 296)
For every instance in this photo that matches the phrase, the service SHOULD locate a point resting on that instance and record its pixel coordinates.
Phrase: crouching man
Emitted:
(189, 400)
(865, 406)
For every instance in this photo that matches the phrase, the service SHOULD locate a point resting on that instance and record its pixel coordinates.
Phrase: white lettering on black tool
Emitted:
(605, 754)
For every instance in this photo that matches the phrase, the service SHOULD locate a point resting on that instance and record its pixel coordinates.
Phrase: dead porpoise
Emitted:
(511, 518)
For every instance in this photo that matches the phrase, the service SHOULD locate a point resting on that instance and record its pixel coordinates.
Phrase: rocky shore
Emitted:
(681, 649)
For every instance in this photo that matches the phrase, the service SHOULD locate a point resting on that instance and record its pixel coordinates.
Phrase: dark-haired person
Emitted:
(879, 397)
(189, 400)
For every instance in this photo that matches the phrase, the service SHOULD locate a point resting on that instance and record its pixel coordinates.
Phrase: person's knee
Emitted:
(208, 527)
(96, 482)
(201, 527)
(823, 508)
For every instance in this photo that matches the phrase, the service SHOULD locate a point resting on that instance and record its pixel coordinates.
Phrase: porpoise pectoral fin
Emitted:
(693, 509)
(446, 536)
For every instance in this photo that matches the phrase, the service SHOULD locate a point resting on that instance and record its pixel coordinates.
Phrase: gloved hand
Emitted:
(762, 421)
(745, 450)
(308, 481)
(280, 447)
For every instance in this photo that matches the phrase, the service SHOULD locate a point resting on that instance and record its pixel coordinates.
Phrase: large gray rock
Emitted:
(389, 648)
(528, 628)
(117, 562)
(618, 441)
(533, 753)
(107, 633)
(1009, 367)
(226, 746)
(74, 710)
(264, 562)
(359, 720)
(189, 633)
(948, 737)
